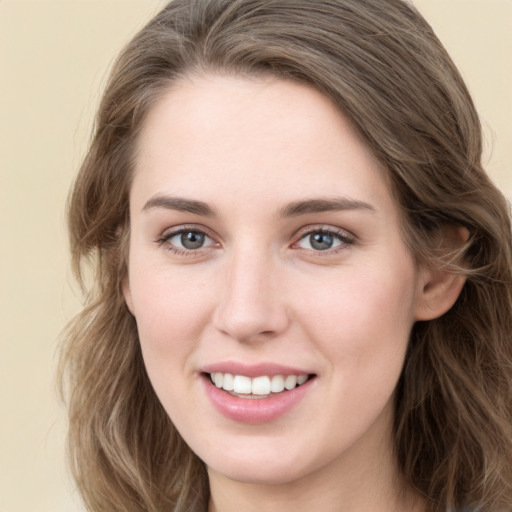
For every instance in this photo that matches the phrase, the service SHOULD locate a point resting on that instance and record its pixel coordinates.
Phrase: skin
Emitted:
(258, 291)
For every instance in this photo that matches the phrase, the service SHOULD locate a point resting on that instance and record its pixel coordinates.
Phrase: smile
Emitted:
(258, 398)
(263, 386)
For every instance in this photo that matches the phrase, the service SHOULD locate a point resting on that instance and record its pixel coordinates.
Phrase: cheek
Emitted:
(170, 311)
(362, 328)
(170, 308)
(366, 319)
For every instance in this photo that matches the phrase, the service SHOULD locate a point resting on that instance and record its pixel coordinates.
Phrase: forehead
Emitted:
(209, 133)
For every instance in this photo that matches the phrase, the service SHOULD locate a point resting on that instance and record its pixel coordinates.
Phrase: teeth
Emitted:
(264, 385)
(228, 382)
(300, 379)
(260, 386)
(277, 384)
(218, 380)
(242, 384)
(290, 382)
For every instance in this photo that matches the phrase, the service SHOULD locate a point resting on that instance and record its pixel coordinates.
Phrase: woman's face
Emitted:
(265, 248)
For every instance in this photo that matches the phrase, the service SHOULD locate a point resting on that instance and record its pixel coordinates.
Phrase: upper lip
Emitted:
(252, 370)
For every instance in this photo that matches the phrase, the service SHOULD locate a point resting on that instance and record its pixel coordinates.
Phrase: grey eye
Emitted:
(190, 240)
(321, 241)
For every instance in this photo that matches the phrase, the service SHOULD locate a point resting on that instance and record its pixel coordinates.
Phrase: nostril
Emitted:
(249, 312)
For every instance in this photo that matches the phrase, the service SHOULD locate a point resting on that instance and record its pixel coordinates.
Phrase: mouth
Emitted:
(263, 386)
(257, 393)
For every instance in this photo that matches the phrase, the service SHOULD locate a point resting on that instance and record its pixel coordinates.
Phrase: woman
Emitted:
(302, 288)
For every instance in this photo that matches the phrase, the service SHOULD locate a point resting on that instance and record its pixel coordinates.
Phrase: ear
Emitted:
(127, 293)
(440, 285)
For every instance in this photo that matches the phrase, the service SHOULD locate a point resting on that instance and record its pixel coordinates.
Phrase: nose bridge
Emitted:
(250, 306)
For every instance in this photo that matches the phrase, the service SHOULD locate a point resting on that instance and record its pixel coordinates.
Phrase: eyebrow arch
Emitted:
(181, 204)
(324, 205)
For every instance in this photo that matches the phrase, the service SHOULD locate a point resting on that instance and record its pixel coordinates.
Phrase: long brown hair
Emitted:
(383, 67)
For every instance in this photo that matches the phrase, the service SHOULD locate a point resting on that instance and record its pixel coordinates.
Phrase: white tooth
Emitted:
(300, 379)
(261, 386)
(228, 382)
(277, 384)
(218, 379)
(290, 382)
(242, 384)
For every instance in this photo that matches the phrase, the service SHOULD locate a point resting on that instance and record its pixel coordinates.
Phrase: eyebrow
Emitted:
(294, 209)
(181, 204)
(324, 205)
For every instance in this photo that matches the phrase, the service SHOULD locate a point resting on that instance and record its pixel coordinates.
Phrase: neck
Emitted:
(327, 495)
(350, 483)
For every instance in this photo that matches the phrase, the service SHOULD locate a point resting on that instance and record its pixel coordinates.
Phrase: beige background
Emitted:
(54, 56)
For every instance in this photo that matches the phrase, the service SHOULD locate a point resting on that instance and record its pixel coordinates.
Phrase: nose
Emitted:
(251, 306)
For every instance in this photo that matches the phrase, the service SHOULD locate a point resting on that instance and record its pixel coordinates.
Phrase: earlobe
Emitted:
(441, 285)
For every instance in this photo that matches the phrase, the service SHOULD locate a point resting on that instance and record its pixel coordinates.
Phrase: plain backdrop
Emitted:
(54, 59)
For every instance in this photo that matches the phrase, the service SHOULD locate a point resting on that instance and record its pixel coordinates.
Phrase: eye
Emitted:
(186, 240)
(323, 240)
(190, 240)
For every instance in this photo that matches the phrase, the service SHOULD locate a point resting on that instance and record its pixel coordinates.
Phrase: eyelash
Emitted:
(342, 236)
(166, 237)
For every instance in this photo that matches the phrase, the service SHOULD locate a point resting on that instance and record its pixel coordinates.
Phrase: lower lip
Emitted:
(257, 410)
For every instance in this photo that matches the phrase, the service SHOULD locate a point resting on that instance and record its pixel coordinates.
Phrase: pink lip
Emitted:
(254, 411)
(253, 370)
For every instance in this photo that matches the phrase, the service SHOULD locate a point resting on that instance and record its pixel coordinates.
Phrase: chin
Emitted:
(276, 467)
(258, 474)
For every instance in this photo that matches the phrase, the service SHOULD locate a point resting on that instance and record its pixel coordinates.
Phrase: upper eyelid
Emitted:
(164, 240)
(306, 230)
(176, 230)
(169, 232)
(346, 238)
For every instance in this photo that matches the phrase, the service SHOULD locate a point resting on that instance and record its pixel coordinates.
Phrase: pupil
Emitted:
(321, 241)
(192, 240)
